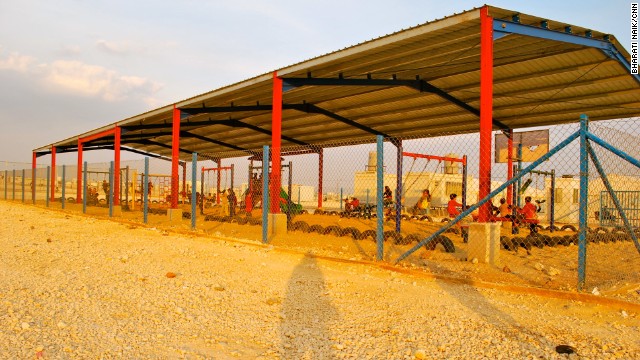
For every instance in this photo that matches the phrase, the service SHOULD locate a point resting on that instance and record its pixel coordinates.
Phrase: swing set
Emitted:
(440, 159)
(206, 197)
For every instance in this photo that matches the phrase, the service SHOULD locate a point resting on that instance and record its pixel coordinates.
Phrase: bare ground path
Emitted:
(74, 287)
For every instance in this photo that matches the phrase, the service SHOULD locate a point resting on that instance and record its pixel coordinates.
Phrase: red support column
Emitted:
(219, 162)
(33, 177)
(320, 176)
(79, 174)
(486, 109)
(116, 165)
(510, 167)
(175, 157)
(53, 173)
(276, 129)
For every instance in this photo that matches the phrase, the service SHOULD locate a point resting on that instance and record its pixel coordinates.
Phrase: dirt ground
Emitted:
(79, 287)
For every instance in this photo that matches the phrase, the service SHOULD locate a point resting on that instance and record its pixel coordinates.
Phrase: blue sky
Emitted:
(68, 66)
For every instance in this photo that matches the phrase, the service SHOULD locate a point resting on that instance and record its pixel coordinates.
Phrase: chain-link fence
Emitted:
(417, 201)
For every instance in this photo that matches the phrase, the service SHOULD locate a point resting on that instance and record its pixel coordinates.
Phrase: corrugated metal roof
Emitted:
(536, 82)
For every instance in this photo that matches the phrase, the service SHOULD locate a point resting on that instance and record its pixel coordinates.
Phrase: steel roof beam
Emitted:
(187, 134)
(155, 143)
(420, 85)
(503, 28)
(310, 108)
(240, 124)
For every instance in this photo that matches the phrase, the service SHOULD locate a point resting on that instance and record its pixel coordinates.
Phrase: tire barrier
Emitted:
(332, 229)
(241, 220)
(411, 238)
(333, 213)
(444, 241)
(318, 212)
(254, 221)
(368, 233)
(599, 229)
(316, 228)
(355, 233)
(304, 211)
(406, 217)
(569, 227)
(444, 220)
(453, 230)
(426, 218)
(506, 243)
(549, 228)
(396, 237)
(535, 239)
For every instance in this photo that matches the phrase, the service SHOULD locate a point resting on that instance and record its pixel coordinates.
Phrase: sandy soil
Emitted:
(83, 288)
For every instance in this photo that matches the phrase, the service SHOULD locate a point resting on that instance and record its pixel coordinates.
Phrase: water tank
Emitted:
(452, 167)
(373, 159)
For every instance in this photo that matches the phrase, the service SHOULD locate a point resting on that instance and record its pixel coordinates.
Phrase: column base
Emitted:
(277, 224)
(484, 242)
(175, 215)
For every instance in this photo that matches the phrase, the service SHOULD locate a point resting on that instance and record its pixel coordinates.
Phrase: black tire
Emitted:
(302, 226)
(444, 220)
(566, 240)
(556, 240)
(555, 228)
(318, 212)
(186, 215)
(411, 238)
(353, 232)
(453, 230)
(442, 240)
(368, 233)
(333, 213)
(242, 220)
(506, 243)
(426, 218)
(568, 227)
(303, 211)
(332, 229)
(535, 240)
(548, 240)
(406, 217)
(396, 237)
(316, 228)
(254, 221)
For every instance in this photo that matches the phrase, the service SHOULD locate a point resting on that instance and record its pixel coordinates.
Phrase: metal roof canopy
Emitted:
(419, 82)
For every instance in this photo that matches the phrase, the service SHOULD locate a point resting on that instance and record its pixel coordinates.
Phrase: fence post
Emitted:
(110, 199)
(13, 186)
(194, 180)
(126, 187)
(145, 195)
(62, 197)
(340, 199)
(84, 189)
(23, 174)
(552, 206)
(379, 190)
(48, 184)
(6, 183)
(265, 193)
(584, 186)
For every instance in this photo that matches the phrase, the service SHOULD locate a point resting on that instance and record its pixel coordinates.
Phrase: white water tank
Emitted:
(373, 161)
(452, 167)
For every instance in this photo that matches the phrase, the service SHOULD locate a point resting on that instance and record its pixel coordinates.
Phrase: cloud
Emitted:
(16, 62)
(78, 78)
(117, 48)
(93, 80)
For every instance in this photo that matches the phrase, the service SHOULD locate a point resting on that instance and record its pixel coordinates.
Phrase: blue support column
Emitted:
(110, 199)
(379, 195)
(145, 196)
(194, 180)
(23, 185)
(48, 184)
(84, 188)
(584, 203)
(265, 193)
(63, 196)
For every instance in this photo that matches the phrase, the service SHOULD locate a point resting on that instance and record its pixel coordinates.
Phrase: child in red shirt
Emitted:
(453, 206)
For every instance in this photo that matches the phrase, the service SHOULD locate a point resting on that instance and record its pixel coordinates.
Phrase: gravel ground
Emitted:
(75, 287)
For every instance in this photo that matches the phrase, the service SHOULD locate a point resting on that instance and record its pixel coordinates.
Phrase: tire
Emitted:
(316, 228)
(368, 233)
(568, 227)
(318, 212)
(555, 228)
(444, 220)
(302, 212)
(442, 240)
(506, 243)
(333, 213)
(254, 221)
(426, 218)
(355, 233)
(396, 237)
(411, 238)
(453, 230)
(242, 220)
(332, 229)
(535, 240)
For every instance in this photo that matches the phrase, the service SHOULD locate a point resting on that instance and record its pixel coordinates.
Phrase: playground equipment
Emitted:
(447, 160)
(253, 194)
(205, 183)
